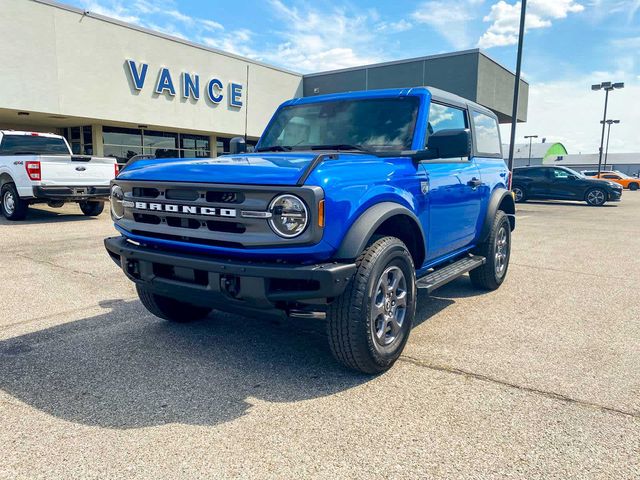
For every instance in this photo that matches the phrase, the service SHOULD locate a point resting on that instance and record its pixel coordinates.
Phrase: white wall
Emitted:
(60, 62)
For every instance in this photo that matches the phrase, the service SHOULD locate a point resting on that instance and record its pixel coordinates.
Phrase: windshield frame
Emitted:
(386, 150)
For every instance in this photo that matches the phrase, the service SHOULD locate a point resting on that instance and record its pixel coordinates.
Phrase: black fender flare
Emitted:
(501, 199)
(361, 231)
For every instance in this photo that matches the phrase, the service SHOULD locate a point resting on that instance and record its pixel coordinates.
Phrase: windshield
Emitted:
(573, 172)
(33, 145)
(370, 124)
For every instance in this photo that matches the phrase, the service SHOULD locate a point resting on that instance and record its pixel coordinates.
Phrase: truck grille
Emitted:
(211, 214)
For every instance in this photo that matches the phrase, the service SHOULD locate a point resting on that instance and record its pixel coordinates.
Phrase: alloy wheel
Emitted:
(502, 251)
(389, 306)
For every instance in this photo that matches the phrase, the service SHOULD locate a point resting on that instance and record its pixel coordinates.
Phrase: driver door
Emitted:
(563, 185)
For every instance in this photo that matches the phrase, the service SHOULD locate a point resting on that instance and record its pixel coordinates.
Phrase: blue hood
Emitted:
(252, 169)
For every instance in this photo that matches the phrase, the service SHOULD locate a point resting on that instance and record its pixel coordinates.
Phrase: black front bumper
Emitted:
(72, 193)
(202, 280)
(615, 195)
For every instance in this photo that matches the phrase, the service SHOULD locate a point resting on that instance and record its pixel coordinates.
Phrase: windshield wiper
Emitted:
(275, 148)
(342, 146)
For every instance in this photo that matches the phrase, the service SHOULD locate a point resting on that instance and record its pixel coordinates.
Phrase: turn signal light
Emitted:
(33, 170)
(321, 213)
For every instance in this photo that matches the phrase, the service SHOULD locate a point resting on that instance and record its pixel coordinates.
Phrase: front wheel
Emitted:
(369, 324)
(497, 250)
(91, 209)
(169, 308)
(596, 197)
(13, 207)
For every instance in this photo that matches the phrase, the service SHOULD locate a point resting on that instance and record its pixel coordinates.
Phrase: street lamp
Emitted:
(606, 150)
(607, 87)
(530, 137)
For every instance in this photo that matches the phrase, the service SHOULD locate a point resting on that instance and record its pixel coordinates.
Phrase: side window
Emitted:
(561, 174)
(614, 177)
(442, 117)
(536, 173)
(487, 134)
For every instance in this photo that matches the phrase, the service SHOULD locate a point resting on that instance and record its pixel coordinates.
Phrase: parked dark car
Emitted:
(562, 183)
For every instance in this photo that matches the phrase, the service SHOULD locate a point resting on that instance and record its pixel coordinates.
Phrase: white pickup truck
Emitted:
(40, 168)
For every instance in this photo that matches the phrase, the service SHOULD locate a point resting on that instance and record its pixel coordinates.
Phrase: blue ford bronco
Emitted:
(349, 204)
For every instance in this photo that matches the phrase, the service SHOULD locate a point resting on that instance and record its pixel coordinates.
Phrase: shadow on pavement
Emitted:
(568, 203)
(38, 215)
(128, 369)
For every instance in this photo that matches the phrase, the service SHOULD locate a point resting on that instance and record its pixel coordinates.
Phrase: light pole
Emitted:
(606, 150)
(516, 89)
(607, 87)
(530, 137)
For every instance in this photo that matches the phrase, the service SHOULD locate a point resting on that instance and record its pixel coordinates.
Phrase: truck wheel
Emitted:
(596, 197)
(633, 186)
(518, 194)
(170, 309)
(369, 323)
(91, 209)
(13, 207)
(497, 250)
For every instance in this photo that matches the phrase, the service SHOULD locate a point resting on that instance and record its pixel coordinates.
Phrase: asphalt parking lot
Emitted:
(540, 379)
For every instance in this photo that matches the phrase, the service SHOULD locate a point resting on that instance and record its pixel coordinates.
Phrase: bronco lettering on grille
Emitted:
(187, 209)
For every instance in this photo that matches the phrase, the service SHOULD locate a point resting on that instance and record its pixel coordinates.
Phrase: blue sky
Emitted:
(569, 45)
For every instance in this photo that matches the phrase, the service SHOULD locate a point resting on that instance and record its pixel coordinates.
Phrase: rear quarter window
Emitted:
(487, 135)
(32, 145)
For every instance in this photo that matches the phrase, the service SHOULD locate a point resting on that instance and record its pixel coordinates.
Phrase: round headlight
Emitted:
(289, 216)
(117, 198)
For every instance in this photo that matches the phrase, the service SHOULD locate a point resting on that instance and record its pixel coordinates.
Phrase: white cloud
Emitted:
(567, 111)
(394, 27)
(115, 10)
(316, 40)
(505, 19)
(449, 18)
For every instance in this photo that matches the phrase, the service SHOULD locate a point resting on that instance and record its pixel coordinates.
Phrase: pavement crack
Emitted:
(545, 393)
(55, 265)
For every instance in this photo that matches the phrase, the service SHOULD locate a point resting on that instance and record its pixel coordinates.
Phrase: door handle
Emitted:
(474, 183)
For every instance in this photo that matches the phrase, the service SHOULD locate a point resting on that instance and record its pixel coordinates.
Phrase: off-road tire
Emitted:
(517, 198)
(489, 276)
(91, 208)
(351, 328)
(18, 209)
(602, 199)
(170, 309)
(634, 186)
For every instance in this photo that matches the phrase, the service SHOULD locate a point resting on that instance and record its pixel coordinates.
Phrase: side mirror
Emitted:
(450, 143)
(237, 145)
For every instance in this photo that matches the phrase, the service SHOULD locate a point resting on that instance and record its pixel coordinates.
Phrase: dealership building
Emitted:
(117, 89)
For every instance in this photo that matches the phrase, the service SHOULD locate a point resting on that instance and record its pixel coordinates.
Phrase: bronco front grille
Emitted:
(208, 214)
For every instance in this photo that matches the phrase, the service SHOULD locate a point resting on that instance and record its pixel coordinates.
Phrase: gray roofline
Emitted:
(415, 59)
(87, 13)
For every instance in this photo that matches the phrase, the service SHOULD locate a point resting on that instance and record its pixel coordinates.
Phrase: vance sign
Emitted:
(188, 85)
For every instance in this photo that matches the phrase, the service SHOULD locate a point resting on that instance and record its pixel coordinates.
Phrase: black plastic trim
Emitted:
(365, 226)
(331, 278)
(498, 195)
(70, 193)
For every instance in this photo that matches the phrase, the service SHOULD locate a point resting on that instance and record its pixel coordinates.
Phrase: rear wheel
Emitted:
(518, 194)
(13, 207)
(369, 324)
(170, 309)
(596, 197)
(634, 186)
(91, 208)
(497, 250)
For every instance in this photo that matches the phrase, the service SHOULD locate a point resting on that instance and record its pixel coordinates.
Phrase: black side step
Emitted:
(450, 272)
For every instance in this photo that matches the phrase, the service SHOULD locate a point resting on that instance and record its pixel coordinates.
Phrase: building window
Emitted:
(124, 143)
(80, 140)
